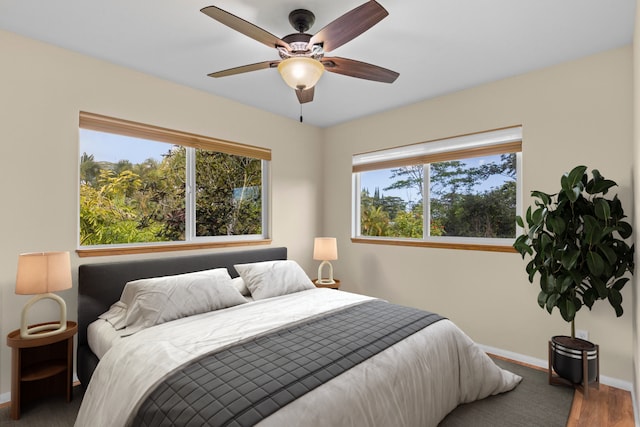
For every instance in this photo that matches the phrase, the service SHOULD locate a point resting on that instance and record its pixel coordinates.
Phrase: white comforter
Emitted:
(413, 383)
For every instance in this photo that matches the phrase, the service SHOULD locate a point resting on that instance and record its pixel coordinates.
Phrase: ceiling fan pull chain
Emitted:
(300, 113)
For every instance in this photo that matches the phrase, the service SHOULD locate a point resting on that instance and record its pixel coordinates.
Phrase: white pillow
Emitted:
(116, 315)
(153, 301)
(273, 278)
(239, 284)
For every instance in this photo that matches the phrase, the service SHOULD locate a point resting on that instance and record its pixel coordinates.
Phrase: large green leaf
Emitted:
(600, 287)
(576, 276)
(625, 230)
(601, 186)
(533, 232)
(528, 217)
(519, 221)
(551, 302)
(608, 230)
(619, 310)
(609, 253)
(592, 230)
(589, 297)
(576, 175)
(616, 208)
(602, 208)
(547, 282)
(572, 193)
(595, 263)
(538, 216)
(542, 298)
(571, 183)
(570, 258)
(563, 284)
(577, 304)
(567, 308)
(556, 224)
(619, 284)
(545, 241)
(531, 270)
(615, 297)
(544, 197)
(521, 244)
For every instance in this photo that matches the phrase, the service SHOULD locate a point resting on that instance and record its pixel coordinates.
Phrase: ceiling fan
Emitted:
(302, 59)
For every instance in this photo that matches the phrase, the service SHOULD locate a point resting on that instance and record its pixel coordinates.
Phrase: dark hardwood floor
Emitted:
(606, 407)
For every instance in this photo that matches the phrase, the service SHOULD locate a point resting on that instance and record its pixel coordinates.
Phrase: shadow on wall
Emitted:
(372, 280)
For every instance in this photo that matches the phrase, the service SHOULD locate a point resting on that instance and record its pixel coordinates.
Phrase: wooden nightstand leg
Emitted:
(69, 372)
(15, 383)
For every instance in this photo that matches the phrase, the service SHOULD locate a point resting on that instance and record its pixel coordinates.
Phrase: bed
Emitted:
(277, 352)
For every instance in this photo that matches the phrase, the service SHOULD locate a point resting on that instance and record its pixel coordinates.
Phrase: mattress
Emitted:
(102, 336)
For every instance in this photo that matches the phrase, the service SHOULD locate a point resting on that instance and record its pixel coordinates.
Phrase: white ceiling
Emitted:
(437, 46)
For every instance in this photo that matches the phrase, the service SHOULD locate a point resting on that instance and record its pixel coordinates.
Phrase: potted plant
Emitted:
(576, 241)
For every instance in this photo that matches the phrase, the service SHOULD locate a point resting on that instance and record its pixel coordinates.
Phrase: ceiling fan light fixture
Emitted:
(300, 72)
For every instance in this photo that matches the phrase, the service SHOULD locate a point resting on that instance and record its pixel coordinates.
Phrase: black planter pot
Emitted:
(567, 354)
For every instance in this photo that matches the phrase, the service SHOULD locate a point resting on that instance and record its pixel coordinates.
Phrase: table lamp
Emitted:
(325, 249)
(40, 274)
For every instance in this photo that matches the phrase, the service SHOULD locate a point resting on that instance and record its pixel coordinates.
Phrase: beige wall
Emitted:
(575, 113)
(42, 89)
(579, 112)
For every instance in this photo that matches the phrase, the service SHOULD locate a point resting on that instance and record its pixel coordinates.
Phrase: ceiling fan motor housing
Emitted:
(302, 20)
(299, 43)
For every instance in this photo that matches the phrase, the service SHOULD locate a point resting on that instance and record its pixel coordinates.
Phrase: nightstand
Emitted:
(333, 286)
(40, 367)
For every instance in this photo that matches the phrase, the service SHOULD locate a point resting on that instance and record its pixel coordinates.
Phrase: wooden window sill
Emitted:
(146, 249)
(441, 245)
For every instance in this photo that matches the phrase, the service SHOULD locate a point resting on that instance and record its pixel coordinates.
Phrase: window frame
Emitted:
(500, 141)
(191, 142)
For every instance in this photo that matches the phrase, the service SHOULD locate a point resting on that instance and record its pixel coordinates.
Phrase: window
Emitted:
(461, 192)
(143, 185)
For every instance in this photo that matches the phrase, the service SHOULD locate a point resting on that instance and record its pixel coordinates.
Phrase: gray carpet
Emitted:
(533, 403)
(50, 412)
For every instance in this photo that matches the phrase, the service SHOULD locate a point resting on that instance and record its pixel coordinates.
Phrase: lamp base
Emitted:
(329, 280)
(49, 329)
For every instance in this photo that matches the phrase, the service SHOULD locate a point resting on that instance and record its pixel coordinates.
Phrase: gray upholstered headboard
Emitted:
(100, 285)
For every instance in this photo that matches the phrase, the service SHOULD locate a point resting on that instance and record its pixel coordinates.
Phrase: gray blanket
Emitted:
(241, 385)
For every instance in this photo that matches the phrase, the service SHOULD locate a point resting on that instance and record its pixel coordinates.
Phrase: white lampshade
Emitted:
(43, 272)
(325, 249)
(300, 72)
(40, 274)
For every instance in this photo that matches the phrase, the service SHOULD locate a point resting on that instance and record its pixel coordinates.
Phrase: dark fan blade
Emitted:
(305, 95)
(244, 27)
(361, 70)
(349, 26)
(245, 69)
